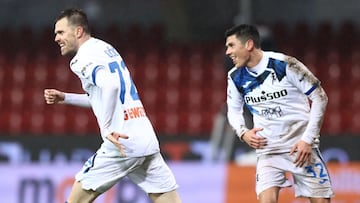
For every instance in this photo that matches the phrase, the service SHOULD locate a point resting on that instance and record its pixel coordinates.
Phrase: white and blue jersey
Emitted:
(277, 93)
(126, 114)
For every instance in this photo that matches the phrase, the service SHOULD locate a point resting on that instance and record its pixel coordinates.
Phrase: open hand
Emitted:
(253, 140)
(303, 150)
(114, 138)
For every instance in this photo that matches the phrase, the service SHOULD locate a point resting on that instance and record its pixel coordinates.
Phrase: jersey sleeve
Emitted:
(86, 69)
(110, 88)
(81, 100)
(300, 76)
(319, 102)
(235, 105)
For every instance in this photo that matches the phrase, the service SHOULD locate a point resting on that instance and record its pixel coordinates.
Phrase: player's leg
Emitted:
(99, 173)
(270, 195)
(270, 177)
(79, 195)
(313, 180)
(167, 197)
(320, 200)
(156, 179)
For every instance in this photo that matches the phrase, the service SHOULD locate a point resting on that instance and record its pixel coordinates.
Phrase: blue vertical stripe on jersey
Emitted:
(93, 74)
(279, 67)
(317, 150)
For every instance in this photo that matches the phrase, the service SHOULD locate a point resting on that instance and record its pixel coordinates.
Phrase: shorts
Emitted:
(311, 180)
(104, 169)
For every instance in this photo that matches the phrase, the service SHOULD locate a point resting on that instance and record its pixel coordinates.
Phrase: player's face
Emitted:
(237, 51)
(65, 36)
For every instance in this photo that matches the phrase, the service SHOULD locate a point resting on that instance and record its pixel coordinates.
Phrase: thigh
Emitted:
(78, 194)
(320, 200)
(270, 195)
(167, 197)
(105, 169)
(154, 175)
(313, 180)
(271, 172)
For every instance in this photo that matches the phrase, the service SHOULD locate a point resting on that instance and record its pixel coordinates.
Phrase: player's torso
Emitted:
(99, 54)
(276, 104)
(268, 93)
(129, 116)
(270, 97)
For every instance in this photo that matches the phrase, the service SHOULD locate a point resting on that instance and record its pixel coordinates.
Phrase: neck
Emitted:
(83, 39)
(255, 58)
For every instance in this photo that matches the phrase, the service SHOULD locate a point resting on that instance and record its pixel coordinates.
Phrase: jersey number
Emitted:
(133, 93)
(322, 174)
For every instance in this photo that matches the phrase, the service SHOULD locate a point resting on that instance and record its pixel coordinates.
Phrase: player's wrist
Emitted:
(241, 133)
(61, 96)
(107, 132)
(308, 140)
(67, 97)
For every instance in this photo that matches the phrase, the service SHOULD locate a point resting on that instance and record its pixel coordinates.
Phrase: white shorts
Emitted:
(104, 169)
(311, 180)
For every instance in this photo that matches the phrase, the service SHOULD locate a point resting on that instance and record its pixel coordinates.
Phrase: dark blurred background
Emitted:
(175, 52)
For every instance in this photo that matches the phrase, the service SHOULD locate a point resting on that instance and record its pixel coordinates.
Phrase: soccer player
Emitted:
(130, 146)
(276, 88)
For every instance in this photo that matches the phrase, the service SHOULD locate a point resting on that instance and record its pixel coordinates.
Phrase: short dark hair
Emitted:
(245, 32)
(75, 17)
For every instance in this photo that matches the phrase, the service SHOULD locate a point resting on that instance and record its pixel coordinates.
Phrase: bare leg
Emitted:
(79, 195)
(270, 195)
(167, 197)
(320, 200)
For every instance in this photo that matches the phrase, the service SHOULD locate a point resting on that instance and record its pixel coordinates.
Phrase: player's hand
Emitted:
(53, 96)
(253, 140)
(303, 150)
(114, 138)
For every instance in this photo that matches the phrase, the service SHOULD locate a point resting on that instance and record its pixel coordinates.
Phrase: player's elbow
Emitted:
(323, 97)
(326, 99)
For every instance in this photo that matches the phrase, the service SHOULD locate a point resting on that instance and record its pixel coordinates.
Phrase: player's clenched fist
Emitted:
(53, 96)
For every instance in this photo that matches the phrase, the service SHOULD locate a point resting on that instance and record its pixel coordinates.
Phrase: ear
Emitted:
(249, 45)
(79, 31)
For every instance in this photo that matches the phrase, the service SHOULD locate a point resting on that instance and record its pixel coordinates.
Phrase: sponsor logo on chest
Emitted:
(264, 96)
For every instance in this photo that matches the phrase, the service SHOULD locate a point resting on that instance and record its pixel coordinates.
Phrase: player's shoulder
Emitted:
(93, 45)
(276, 55)
(232, 70)
(288, 59)
(93, 50)
(236, 72)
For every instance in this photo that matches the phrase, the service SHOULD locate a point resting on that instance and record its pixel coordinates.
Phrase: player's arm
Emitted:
(235, 105)
(109, 96)
(110, 88)
(236, 119)
(312, 131)
(307, 83)
(54, 96)
(319, 102)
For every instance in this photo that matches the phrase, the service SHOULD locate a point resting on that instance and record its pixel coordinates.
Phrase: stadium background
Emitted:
(175, 52)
